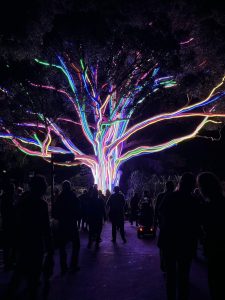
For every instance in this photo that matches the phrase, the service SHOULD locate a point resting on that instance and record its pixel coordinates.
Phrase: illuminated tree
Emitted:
(102, 107)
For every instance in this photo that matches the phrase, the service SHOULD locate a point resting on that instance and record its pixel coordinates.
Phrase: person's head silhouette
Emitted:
(38, 185)
(66, 186)
(107, 193)
(95, 186)
(209, 185)
(170, 186)
(95, 194)
(116, 190)
(100, 193)
(146, 194)
(187, 183)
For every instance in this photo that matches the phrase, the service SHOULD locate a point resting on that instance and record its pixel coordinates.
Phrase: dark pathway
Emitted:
(119, 272)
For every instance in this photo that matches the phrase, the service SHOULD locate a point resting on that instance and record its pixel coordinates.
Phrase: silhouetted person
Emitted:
(67, 212)
(103, 198)
(201, 202)
(8, 225)
(214, 226)
(19, 192)
(178, 236)
(107, 194)
(79, 217)
(134, 208)
(101, 195)
(84, 209)
(33, 237)
(95, 187)
(116, 206)
(96, 215)
(158, 211)
(145, 198)
(159, 202)
(146, 215)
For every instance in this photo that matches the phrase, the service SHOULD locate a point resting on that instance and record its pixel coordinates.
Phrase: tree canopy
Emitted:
(185, 38)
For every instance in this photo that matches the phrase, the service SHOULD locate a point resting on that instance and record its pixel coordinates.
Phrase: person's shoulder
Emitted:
(121, 196)
(194, 198)
(172, 195)
(111, 197)
(26, 195)
(43, 204)
(175, 193)
(83, 197)
(74, 196)
(2, 197)
(3, 200)
(101, 200)
(25, 198)
(221, 203)
(222, 199)
(171, 199)
(179, 194)
(161, 195)
(60, 197)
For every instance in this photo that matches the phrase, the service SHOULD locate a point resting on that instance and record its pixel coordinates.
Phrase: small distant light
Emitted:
(4, 171)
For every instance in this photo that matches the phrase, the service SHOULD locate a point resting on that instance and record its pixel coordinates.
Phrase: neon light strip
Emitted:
(186, 42)
(104, 113)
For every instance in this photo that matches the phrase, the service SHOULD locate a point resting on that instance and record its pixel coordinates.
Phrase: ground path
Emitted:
(118, 272)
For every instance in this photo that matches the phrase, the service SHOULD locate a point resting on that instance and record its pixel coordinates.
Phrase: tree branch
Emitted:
(157, 148)
(176, 114)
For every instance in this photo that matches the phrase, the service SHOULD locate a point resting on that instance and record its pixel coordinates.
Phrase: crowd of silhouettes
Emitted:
(30, 239)
(185, 214)
(194, 211)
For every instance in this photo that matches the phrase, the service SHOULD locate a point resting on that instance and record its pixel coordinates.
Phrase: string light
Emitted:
(186, 42)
